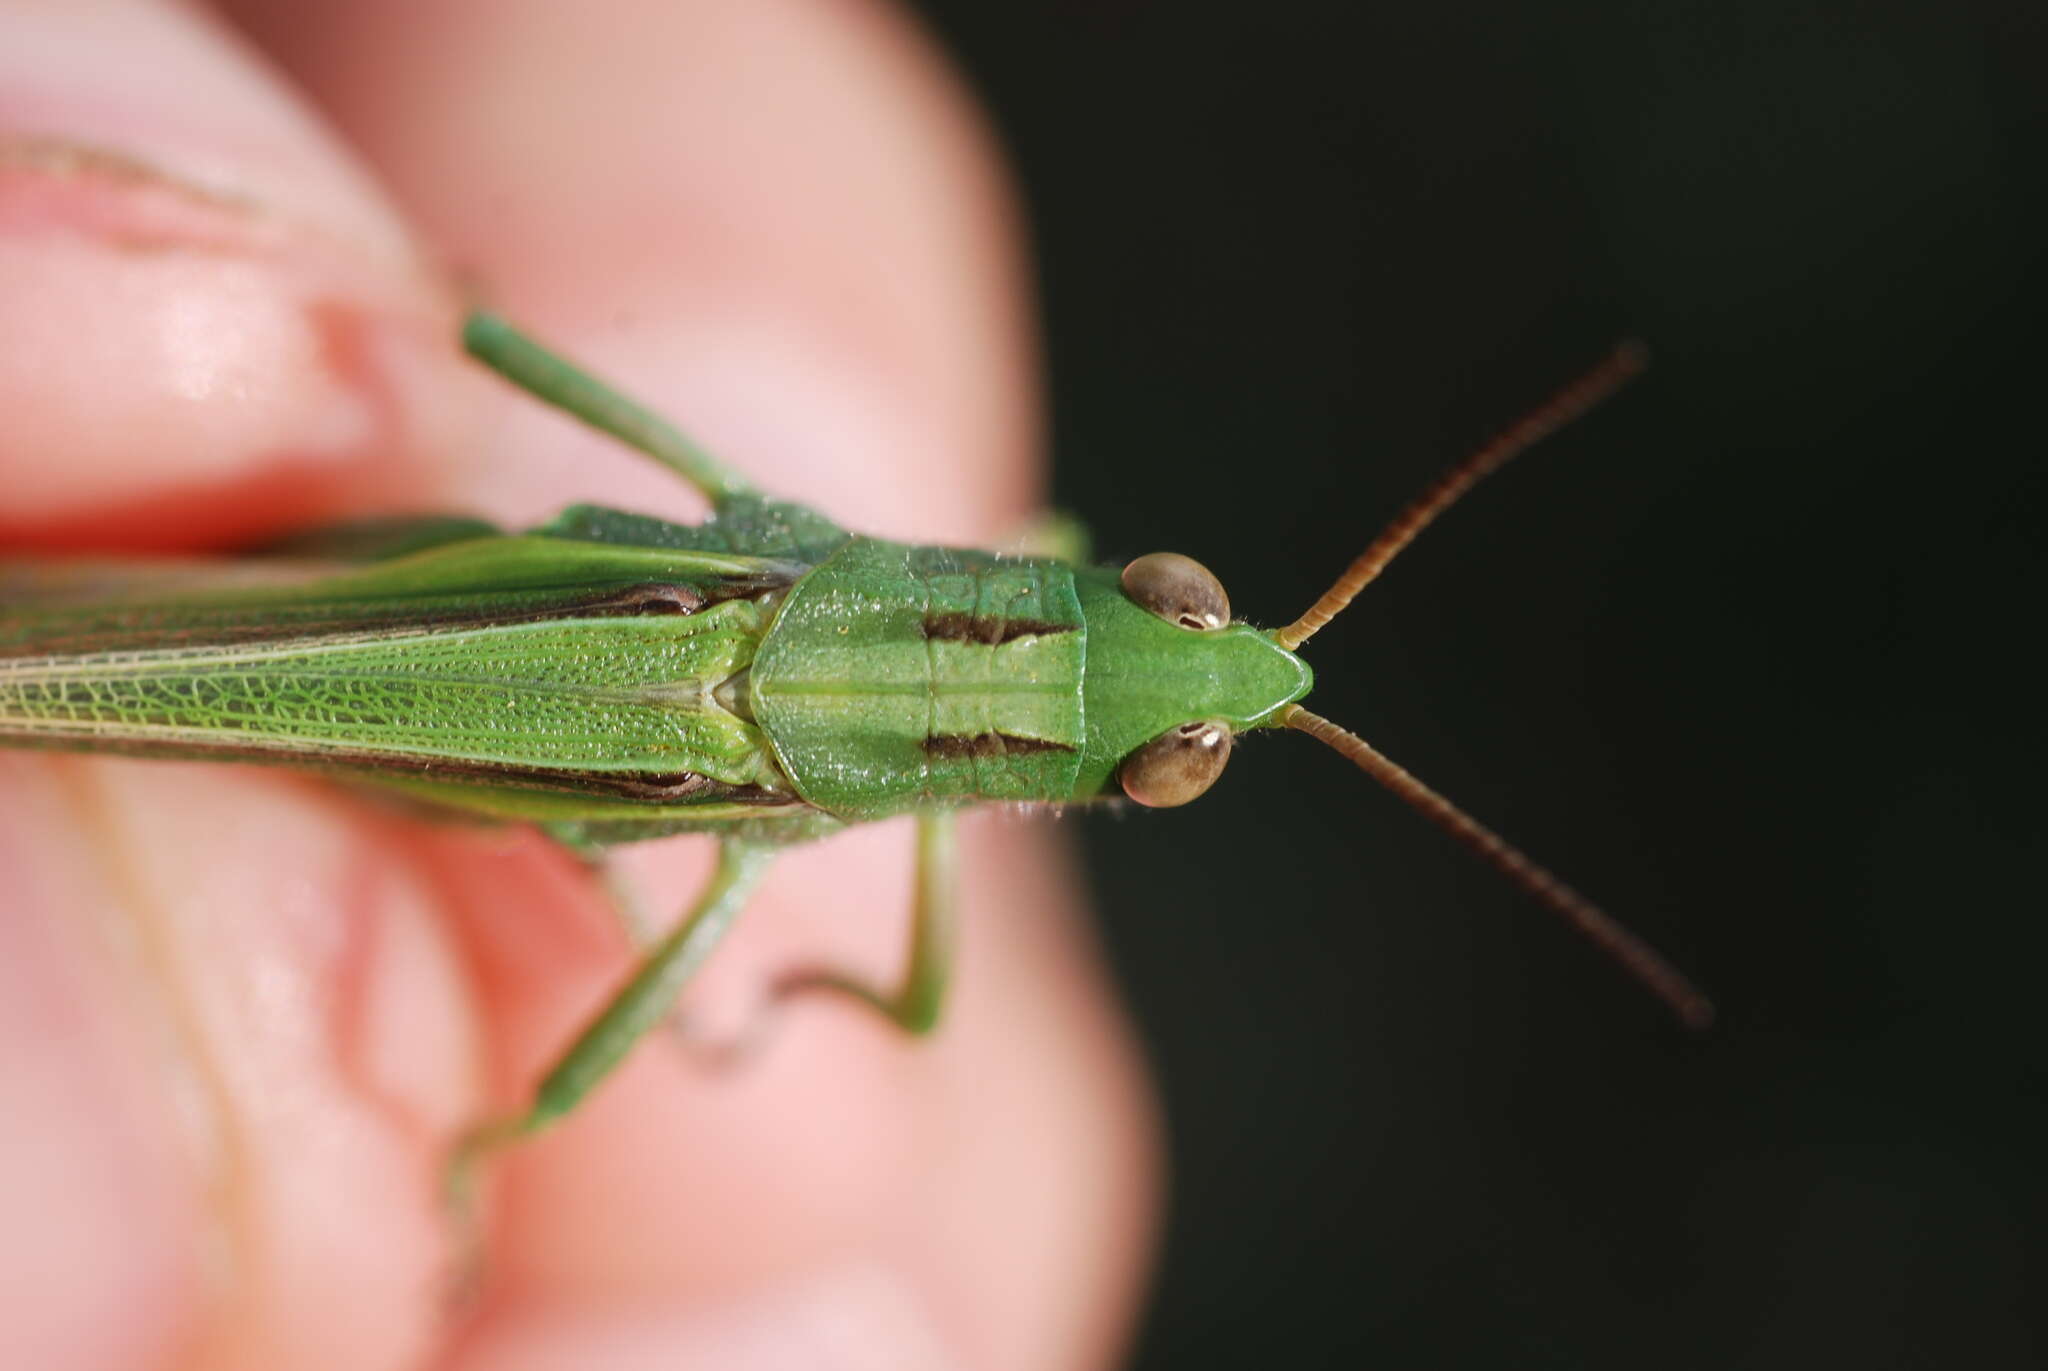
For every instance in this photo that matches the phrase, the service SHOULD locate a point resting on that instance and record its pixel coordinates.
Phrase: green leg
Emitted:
(641, 1004)
(914, 1004)
(641, 933)
(569, 388)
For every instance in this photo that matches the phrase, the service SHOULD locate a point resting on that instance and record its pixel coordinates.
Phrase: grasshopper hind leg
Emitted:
(643, 1002)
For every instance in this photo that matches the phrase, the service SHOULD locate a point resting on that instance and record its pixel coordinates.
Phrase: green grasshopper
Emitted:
(765, 677)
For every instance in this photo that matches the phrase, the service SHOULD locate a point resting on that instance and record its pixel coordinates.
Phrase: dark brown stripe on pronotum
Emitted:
(990, 630)
(948, 746)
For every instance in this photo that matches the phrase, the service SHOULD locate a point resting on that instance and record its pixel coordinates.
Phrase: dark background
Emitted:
(1744, 655)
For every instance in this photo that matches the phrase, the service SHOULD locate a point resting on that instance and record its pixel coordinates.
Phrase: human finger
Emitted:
(236, 1031)
(778, 222)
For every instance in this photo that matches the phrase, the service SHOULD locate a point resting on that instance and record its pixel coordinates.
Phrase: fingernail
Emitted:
(174, 90)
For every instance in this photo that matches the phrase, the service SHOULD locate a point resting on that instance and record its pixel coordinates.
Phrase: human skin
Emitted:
(242, 1013)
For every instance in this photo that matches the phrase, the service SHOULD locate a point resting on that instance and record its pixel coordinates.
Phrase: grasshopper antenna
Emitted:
(1621, 365)
(1635, 956)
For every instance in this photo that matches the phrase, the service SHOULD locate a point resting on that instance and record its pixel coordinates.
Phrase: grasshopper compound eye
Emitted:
(1179, 590)
(1178, 765)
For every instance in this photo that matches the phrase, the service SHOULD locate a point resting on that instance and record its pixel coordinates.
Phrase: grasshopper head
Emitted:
(1170, 680)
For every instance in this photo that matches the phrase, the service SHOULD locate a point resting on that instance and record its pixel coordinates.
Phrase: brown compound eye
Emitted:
(1178, 589)
(1177, 766)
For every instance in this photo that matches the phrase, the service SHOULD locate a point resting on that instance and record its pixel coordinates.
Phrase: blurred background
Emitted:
(1744, 655)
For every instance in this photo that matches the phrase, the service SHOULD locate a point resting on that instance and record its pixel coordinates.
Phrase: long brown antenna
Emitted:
(1636, 957)
(1627, 359)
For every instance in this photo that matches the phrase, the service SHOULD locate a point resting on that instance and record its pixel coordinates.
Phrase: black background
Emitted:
(1745, 655)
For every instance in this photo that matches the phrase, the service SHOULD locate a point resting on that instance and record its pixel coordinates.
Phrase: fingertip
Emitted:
(213, 327)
